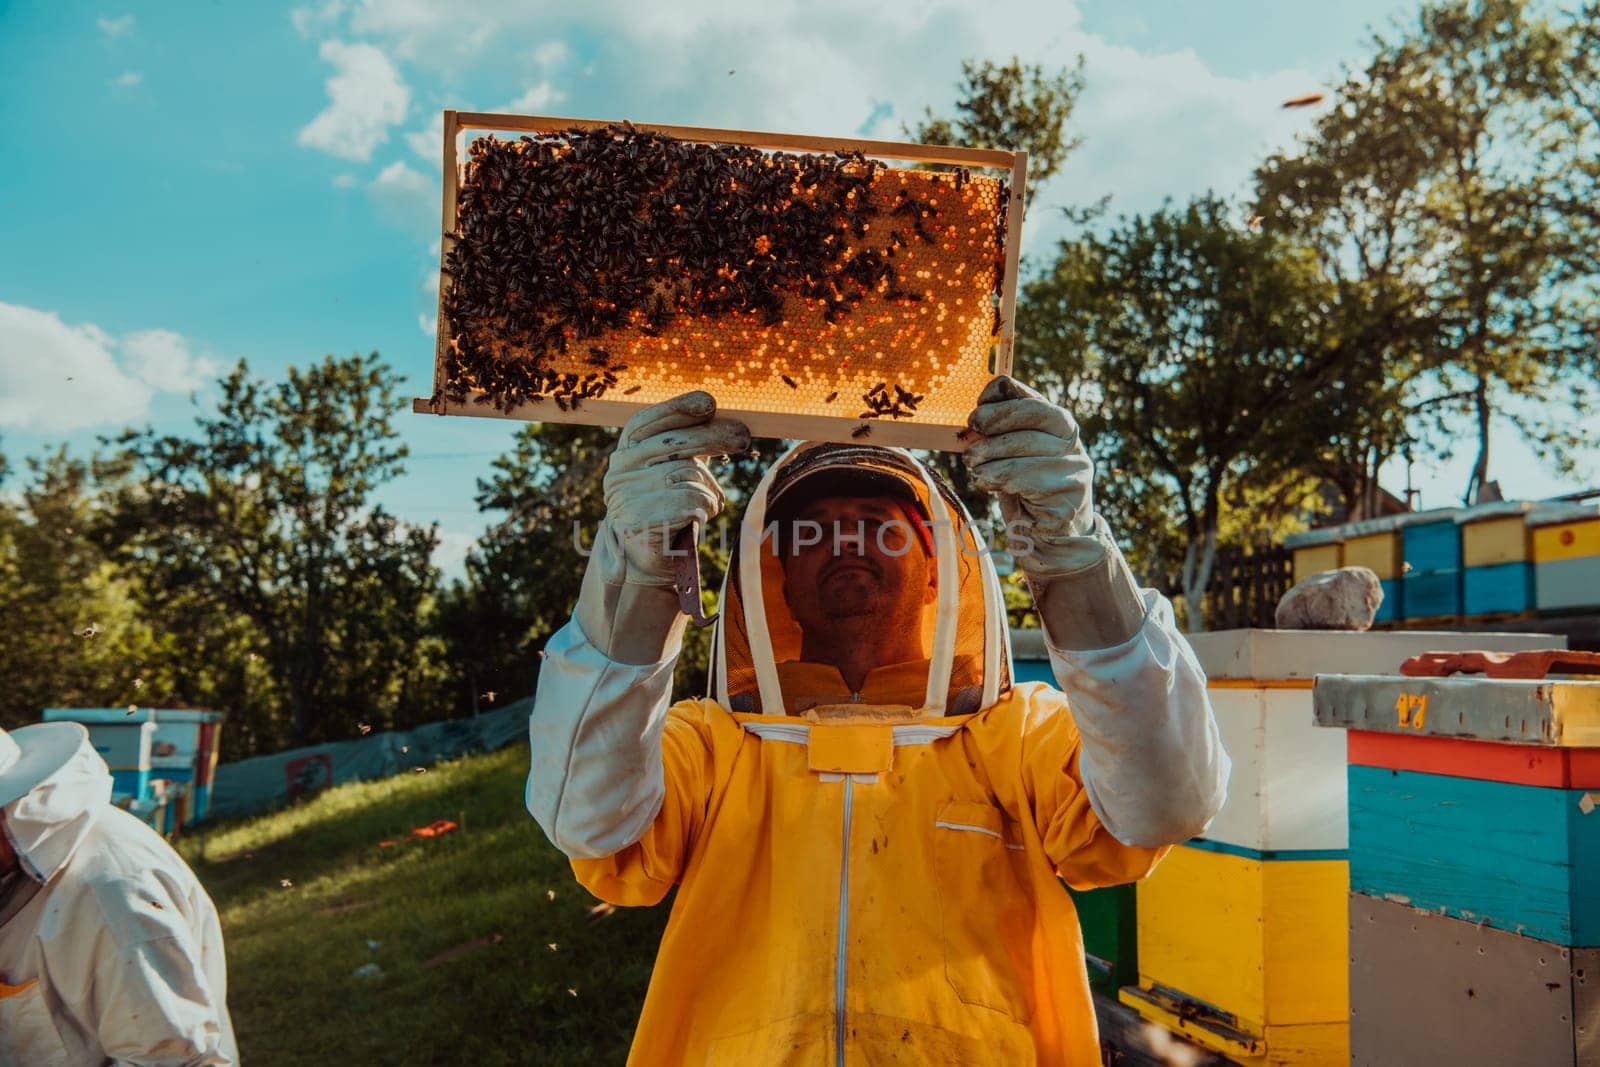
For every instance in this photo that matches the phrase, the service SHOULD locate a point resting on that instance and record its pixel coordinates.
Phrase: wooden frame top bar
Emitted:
(915, 153)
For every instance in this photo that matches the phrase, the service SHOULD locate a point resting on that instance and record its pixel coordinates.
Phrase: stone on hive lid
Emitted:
(1343, 599)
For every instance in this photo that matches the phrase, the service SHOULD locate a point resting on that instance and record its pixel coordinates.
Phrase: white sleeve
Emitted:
(1151, 760)
(595, 780)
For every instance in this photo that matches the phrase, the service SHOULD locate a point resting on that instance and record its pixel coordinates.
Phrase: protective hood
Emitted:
(47, 823)
(756, 653)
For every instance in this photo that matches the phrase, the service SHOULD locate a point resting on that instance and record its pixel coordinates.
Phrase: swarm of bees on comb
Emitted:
(582, 254)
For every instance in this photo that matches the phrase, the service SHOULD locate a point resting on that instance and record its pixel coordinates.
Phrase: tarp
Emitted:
(254, 785)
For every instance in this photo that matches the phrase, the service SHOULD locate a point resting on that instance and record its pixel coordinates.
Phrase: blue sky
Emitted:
(183, 184)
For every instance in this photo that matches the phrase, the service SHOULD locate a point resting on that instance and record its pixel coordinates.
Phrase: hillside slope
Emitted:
(303, 891)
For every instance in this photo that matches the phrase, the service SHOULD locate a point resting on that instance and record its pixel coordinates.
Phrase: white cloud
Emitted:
(428, 142)
(366, 96)
(536, 99)
(115, 27)
(163, 360)
(401, 178)
(56, 376)
(428, 324)
(59, 377)
(308, 20)
(410, 197)
(345, 181)
(550, 54)
(127, 79)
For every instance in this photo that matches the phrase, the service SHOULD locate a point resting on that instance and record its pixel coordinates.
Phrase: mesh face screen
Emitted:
(616, 265)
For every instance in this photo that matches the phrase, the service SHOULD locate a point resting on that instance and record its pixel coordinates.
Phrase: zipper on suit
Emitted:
(844, 927)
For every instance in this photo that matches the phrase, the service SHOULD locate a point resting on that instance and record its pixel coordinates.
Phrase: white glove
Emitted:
(657, 483)
(1030, 456)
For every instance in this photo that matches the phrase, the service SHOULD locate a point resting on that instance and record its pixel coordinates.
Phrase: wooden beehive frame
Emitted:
(604, 412)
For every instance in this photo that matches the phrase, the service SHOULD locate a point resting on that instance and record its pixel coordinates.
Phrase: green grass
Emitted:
(293, 951)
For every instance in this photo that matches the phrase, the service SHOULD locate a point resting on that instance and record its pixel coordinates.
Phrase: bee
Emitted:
(861, 431)
(831, 397)
(631, 390)
(790, 382)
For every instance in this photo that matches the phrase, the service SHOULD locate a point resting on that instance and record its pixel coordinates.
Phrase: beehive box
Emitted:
(1566, 555)
(1426, 988)
(1473, 797)
(1286, 793)
(1492, 534)
(821, 289)
(1474, 866)
(1433, 547)
(1315, 551)
(1246, 957)
(1243, 932)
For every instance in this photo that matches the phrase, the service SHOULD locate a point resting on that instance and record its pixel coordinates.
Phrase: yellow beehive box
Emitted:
(1247, 956)
(1314, 551)
(1566, 540)
(1379, 552)
(1495, 533)
(1484, 544)
(820, 288)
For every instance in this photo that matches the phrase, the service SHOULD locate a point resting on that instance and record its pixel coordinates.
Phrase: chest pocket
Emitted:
(27, 1035)
(986, 910)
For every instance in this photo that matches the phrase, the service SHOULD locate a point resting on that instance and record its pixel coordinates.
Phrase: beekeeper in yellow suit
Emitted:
(867, 821)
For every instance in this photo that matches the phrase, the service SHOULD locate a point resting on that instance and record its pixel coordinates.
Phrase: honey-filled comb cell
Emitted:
(821, 289)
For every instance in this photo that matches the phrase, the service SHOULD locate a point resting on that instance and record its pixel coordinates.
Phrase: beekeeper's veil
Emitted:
(965, 638)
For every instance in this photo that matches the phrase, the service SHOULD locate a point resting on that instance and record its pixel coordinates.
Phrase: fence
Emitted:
(1246, 586)
(254, 785)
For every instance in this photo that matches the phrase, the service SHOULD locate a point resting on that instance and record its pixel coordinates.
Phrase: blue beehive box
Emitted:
(1500, 588)
(1430, 596)
(1432, 547)
(1393, 607)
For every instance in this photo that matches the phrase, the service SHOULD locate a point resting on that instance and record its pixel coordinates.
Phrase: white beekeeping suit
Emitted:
(110, 950)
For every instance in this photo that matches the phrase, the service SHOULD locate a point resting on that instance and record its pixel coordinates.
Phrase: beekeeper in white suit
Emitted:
(110, 950)
(867, 817)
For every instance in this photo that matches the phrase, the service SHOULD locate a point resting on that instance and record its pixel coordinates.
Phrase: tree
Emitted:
(1195, 367)
(1014, 107)
(266, 515)
(525, 572)
(70, 631)
(1452, 190)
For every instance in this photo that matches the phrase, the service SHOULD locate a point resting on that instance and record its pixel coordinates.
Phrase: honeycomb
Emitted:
(881, 307)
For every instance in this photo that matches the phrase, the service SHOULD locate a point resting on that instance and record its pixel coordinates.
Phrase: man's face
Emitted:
(855, 557)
